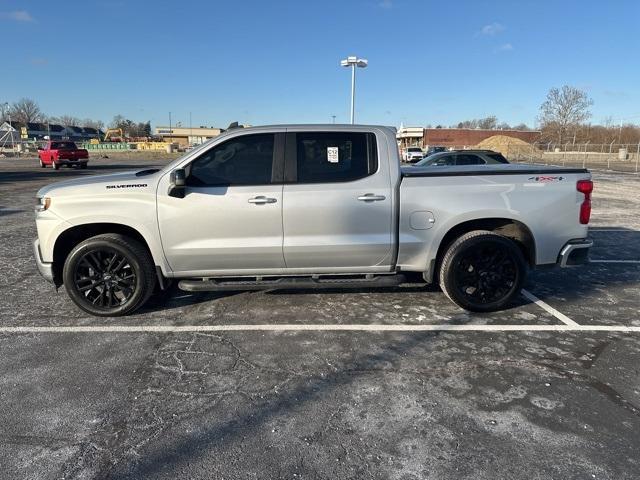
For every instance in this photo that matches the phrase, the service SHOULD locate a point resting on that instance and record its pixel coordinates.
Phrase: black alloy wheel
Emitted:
(109, 275)
(485, 273)
(105, 277)
(482, 271)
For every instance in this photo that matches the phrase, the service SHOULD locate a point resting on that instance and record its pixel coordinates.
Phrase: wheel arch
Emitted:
(509, 227)
(70, 237)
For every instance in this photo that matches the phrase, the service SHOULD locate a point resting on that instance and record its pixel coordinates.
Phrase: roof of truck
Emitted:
(315, 126)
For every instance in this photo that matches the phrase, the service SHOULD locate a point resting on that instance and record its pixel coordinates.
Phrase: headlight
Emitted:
(42, 203)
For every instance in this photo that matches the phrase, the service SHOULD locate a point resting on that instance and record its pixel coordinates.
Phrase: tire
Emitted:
(83, 165)
(56, 166)
(482, 271)
(42, 165)
(109, 275)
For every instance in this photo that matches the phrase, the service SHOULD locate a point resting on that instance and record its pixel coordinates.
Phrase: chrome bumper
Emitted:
(45, 269)
(575, 252)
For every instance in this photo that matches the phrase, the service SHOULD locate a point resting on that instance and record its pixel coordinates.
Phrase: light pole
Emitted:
(353, 62)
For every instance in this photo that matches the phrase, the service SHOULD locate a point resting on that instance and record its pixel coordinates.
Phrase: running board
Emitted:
(313, 282)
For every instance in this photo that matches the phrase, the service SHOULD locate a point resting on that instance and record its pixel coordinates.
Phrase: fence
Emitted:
(612, 157)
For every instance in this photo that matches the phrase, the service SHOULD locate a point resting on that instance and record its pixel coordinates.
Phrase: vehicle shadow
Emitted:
(194, 444)
(173, 297)
(5, 211)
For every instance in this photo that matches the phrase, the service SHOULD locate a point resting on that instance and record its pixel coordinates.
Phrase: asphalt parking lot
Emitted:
(393, 383)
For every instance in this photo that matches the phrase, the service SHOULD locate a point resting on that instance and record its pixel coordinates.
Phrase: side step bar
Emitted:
(313, 282)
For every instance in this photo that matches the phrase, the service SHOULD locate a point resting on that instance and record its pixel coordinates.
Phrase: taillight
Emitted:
(585, 187)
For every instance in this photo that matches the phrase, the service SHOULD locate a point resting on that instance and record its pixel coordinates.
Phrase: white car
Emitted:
(308, 206)
(412, 154)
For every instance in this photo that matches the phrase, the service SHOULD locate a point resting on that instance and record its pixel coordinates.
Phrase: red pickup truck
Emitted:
(62, 152)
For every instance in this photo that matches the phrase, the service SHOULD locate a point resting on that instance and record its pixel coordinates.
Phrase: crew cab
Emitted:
(62, 152)
(308, 206)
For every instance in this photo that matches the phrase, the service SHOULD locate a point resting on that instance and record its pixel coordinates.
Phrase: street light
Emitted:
(353, 62)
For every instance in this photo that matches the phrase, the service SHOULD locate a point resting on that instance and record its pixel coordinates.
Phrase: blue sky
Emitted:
(262, 62)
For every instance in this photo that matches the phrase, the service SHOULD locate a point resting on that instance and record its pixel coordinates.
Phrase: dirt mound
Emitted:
(507, 145)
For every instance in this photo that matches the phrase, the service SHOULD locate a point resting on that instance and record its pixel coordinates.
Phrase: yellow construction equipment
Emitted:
(110, 135)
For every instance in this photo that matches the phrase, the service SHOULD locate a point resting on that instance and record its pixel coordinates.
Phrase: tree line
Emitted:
(563, 118)
(27, 110)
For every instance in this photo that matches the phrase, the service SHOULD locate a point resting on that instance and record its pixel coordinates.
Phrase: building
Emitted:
(409, 136)
(187, 136)
(38, 131)
(469, 137)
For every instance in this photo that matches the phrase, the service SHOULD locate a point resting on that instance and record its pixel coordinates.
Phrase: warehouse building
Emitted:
(409, 136)
(187, 136)
(39, 131)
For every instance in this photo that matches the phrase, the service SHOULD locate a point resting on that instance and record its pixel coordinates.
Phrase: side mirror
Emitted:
(178, 181)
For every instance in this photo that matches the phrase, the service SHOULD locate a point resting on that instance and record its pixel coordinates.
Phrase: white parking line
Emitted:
(320, 328)
(614, 261)
(545, 306)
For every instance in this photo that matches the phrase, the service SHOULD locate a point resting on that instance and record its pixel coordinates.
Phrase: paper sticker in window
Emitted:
(332, 154)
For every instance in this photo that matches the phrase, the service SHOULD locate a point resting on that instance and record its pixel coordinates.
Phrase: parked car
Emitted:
(62, 152)
(412, 154)
(300, 206)
(463, 157)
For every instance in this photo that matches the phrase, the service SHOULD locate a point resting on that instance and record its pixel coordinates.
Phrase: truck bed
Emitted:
(503, 169)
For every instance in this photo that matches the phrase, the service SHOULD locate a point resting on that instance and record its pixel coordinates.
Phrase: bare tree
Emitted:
(97, 124)
(487, 123)
(26, 110)
(66, 120)
(564, 110)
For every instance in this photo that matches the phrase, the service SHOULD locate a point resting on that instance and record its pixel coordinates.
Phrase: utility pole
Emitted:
(170, 129)
(333, 118)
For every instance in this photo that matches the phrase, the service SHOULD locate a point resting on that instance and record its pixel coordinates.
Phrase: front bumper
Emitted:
(575, 252)
(45, 269)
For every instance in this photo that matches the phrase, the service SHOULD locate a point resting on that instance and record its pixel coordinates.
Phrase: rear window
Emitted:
(414, 149)
(63, 146)
(497, 157)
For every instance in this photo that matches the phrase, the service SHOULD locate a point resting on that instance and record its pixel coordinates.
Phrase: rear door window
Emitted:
(327, 157)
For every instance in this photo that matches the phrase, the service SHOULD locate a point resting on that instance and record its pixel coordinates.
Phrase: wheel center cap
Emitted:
(106, 277)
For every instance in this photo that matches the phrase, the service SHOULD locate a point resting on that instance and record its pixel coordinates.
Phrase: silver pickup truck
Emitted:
(308, 206)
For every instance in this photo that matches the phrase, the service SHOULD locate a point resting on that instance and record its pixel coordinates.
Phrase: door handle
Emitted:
(371, 197)
(261, 200)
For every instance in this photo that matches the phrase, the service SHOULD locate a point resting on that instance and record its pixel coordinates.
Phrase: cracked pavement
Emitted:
(316, 405)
